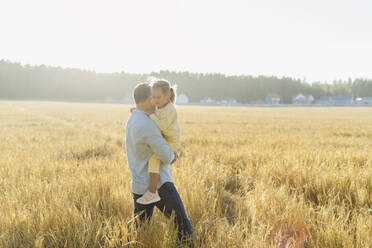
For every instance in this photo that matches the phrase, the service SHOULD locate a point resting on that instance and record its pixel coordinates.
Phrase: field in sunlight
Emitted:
(64, 180)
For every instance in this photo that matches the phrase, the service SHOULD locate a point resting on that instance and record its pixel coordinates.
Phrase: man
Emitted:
(143, 138)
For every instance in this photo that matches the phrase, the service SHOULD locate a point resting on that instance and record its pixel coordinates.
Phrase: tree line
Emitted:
(55, 83)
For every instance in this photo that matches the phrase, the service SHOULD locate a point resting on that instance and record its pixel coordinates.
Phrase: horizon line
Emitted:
(182, 71)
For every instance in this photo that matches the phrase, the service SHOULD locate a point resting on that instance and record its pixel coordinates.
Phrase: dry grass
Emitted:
(65, 181)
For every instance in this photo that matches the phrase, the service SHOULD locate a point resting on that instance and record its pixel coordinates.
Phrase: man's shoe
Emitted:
(148, 198)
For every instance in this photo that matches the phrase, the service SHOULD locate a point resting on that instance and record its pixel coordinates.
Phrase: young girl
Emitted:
(165, 117)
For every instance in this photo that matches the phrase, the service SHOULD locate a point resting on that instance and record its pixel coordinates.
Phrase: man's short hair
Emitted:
(141, 92)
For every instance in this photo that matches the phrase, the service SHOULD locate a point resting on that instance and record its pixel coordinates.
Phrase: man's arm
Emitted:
(159, 145)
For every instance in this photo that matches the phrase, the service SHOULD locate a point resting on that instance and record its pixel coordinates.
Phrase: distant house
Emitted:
(364, 100)
(345, 99)
(302, 99)
(325, 100)
(257, 102)
(182, 99)
(228, 101)
(207, 100)
(273, 98)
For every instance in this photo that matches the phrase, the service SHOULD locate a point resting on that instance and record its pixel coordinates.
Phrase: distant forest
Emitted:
(56, 83)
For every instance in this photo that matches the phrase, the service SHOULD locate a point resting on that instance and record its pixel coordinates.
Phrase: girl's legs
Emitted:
(154, 177)
(151, 195)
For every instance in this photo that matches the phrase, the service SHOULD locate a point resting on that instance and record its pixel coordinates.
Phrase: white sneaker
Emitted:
(148, 198)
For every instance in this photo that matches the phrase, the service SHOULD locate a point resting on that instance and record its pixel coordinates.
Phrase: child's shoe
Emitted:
(148, 198)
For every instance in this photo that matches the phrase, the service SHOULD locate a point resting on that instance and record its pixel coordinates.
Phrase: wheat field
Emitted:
(64, 180)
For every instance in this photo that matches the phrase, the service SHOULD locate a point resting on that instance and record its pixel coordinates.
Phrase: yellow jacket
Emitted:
(166, 119)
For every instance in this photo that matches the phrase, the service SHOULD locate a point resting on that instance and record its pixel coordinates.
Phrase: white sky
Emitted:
(312, 39)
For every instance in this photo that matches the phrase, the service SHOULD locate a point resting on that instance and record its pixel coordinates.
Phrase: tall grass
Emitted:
(64, 179)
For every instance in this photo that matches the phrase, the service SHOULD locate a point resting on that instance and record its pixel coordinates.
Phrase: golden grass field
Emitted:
(64, 180)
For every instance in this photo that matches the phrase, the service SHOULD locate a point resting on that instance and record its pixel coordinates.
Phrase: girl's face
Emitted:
(159, 98)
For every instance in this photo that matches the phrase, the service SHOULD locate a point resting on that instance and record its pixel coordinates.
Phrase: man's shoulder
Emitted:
(141, 123)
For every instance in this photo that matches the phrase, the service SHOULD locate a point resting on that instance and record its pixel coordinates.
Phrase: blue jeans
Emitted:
(170, 203)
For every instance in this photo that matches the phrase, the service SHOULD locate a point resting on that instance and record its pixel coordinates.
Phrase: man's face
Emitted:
(148, 104)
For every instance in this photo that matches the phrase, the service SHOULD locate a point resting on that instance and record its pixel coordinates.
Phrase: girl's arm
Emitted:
(164, 119)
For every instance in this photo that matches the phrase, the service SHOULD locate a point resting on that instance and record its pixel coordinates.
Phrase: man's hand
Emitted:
(175, 157)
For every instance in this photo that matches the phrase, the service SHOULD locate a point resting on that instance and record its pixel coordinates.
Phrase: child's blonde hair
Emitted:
(165, 86)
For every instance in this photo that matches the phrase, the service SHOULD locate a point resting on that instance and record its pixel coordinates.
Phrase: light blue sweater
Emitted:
(142, 139)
